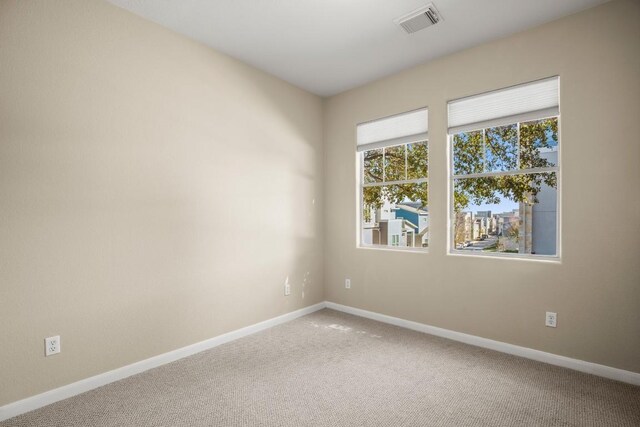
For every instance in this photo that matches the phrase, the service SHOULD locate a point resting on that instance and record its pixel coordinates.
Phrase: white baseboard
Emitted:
(31, 403)
(528, 353)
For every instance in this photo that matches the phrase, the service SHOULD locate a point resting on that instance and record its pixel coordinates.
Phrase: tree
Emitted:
(492, 149)
(499, 149)
(399, 163)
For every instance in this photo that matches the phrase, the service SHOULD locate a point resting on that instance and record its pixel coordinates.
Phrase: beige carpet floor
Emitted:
(333, 369)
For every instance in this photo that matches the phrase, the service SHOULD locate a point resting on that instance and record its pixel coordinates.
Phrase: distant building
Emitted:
(463, 227)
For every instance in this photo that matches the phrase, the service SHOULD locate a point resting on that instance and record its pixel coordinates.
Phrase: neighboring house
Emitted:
(395, 232)
(418, 217)
(371, 230)
(397, 225)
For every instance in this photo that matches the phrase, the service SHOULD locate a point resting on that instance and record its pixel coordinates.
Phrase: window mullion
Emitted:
(406, 162)
(518, 146)
(362, 168)
(401, 182)
(384, 164)
(484, 150)
(507, 173)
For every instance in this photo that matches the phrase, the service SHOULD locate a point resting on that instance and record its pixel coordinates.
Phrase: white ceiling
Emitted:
(329, 46)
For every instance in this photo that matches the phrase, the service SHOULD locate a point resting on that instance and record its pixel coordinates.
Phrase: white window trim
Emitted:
(452, 251)
(360, 149)
(361, 184)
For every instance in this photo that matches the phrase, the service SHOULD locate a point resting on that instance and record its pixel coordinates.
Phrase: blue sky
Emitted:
(505, 205)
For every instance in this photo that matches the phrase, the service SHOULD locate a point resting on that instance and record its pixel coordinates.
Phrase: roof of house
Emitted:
(414, 207)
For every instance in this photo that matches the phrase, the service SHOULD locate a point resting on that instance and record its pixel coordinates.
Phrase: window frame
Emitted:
(360, 185)
(451, 249)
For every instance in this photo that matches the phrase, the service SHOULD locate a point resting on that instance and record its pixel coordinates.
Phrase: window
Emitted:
(504, 171)
(393, 155)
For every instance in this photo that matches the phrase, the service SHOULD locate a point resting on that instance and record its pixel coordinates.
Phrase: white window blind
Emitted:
(529, 101)
(399, 129)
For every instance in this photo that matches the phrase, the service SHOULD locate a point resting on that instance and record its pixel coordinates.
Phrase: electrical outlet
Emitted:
(347, 283)
(551, 319)
(52, 345)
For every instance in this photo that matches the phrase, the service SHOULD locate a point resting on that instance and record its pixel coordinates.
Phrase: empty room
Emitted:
(319, 213)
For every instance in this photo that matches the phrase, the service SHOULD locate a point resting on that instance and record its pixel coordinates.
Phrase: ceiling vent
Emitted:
(419, 19)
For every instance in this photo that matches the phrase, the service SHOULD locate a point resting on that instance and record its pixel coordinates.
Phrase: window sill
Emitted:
(394, 249)
(518, 257)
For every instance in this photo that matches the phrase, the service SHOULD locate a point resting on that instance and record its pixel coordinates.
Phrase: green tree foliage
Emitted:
(398, 163)
(497, 149)
(494, 150)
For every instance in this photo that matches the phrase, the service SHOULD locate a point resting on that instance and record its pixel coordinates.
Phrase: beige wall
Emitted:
(153, 193)
(596, 288)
